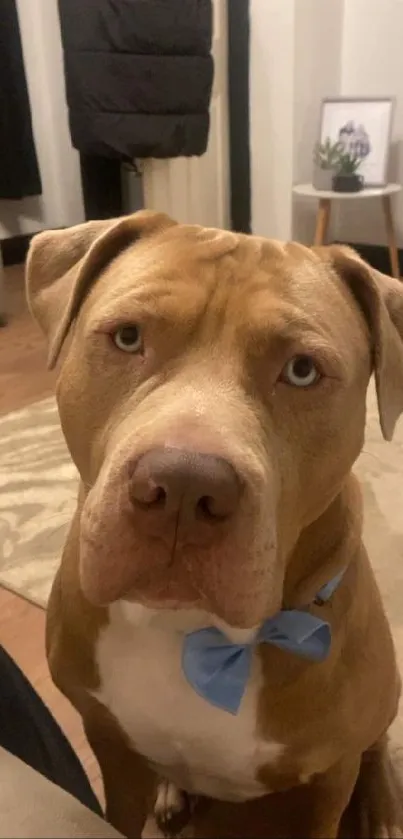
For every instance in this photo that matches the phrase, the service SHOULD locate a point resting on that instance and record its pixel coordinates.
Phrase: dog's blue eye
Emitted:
(301, 371)
(128, 338)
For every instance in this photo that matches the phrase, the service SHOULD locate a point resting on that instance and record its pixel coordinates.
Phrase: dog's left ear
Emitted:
(381, 301)
(62, 265)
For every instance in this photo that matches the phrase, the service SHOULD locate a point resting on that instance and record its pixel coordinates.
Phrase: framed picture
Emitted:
(363, 127)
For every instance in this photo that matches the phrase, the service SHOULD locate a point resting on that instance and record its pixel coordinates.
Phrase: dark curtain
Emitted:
(19, 171)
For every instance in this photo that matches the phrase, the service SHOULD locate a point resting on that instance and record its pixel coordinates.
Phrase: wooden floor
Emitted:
(23, 380)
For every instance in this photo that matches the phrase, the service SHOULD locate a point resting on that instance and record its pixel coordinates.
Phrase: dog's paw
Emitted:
(172, 809)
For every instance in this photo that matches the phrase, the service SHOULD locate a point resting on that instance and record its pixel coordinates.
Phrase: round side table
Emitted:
(325, 199)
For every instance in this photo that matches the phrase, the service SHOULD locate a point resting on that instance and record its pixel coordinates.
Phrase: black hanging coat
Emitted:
(138, 75)
(19, 172)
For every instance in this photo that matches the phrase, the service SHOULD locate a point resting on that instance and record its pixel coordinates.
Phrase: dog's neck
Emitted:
(323, 547)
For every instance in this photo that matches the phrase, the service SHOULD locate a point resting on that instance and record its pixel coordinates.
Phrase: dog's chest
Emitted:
(199, 747)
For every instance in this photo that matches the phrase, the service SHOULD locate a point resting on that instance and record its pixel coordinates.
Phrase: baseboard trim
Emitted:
(14, 249)
(377, 256)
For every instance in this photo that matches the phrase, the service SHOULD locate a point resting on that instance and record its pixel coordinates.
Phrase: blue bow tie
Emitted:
(219, 670)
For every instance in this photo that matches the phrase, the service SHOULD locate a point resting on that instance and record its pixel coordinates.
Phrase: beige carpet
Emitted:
(38, 485)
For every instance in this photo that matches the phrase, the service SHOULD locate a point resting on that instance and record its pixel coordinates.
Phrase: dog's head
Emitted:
(213, 399)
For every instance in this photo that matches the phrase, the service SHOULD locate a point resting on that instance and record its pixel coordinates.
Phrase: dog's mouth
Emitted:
(181, 531)
(232, 579)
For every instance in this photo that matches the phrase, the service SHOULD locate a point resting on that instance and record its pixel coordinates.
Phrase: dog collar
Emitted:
(218, 670)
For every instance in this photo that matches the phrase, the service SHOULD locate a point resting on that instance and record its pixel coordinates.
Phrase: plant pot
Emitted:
(348, 183)
(322, 178)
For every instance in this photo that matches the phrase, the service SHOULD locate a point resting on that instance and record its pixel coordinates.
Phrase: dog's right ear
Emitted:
(380, 299)
(62, 265)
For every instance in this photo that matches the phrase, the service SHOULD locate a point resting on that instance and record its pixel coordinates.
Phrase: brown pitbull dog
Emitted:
(215, 618)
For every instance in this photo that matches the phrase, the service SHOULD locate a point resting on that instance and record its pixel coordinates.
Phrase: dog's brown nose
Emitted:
(202, 487)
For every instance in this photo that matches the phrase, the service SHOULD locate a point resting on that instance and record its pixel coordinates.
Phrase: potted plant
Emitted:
(346, 178)
(326, 157)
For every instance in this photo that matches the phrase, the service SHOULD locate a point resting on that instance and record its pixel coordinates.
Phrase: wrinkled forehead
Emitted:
(255, 284)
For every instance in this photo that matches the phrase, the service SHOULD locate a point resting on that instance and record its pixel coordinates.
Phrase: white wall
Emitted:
(302, 51)
(317, 72)
(295, 61)
(61, 202)
(372, 65)
(271, 115)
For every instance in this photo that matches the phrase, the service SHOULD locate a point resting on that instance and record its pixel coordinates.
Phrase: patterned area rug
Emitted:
(37, 496)
(38, 485)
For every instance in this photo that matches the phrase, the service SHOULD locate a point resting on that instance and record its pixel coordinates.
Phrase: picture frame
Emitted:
(364, 126)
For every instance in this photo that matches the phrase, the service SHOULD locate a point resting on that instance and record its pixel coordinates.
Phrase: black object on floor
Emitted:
(29, 732)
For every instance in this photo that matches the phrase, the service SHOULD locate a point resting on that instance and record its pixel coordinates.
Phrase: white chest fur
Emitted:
(197, 746)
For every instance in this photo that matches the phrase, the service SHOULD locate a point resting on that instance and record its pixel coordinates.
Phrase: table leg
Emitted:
(322, 221)
(391, 236)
